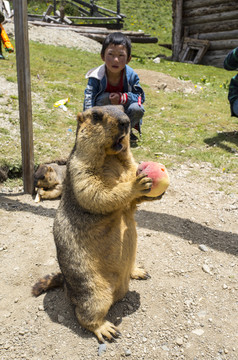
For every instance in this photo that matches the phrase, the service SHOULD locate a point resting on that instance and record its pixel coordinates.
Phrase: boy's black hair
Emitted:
(116, 38)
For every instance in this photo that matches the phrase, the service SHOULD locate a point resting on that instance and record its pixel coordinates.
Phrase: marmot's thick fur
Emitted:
(94, 229)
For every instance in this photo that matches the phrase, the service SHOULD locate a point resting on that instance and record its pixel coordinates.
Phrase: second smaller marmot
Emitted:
(48, 180)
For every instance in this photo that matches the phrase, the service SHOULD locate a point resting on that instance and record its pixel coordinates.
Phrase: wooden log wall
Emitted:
(213, 20)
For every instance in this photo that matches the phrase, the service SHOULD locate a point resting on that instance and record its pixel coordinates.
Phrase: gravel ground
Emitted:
(188, 242)
(57, 37)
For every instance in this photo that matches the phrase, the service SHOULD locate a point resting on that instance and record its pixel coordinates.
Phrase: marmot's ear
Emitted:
(50, 169)
(80, 117)
(97, 114)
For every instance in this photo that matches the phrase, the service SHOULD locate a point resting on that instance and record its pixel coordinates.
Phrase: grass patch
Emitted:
(177, 127)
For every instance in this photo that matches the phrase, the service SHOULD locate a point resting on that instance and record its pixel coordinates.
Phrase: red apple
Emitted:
(159, 175)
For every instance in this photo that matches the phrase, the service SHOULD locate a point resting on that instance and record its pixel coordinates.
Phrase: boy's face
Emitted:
(115, 58)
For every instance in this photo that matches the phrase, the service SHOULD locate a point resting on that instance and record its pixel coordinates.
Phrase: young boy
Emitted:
(231, 63)
(115, 82)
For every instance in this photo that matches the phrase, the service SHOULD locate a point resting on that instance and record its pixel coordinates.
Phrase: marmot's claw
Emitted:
(147, 276)
(144, 182)
(108, 331)
(140, 274)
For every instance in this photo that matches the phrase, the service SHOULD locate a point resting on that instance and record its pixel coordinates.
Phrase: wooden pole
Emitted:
(24, 92)
(177, 28)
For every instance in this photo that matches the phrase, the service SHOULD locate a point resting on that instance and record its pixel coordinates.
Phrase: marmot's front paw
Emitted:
(143, 184)
(41, 192)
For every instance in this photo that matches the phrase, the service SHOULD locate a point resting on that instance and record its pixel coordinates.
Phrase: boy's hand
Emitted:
(114, 98)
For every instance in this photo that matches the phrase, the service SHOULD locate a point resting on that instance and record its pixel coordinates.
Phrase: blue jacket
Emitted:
(231, 63)
(97, 83)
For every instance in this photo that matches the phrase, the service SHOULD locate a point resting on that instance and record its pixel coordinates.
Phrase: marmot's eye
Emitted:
(97, 117)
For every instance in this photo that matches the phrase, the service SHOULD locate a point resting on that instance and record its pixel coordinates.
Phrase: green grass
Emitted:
(177, 127)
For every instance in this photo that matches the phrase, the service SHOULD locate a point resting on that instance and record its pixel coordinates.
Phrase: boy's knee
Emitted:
(136, 110)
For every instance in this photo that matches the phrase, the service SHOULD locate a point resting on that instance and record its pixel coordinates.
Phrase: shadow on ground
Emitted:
(224, 140)
(161, 222)
(189, 230)
(59, 309)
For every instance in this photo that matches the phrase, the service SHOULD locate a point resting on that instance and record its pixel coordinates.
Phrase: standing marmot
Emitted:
(94, 229)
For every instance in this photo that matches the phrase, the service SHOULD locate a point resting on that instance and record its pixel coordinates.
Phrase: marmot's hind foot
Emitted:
(107, 330)
(139, 273)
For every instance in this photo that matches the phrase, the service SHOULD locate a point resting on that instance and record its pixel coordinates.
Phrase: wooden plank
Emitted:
(218, 52)
(54, 19)
(24, 92)
(177, 28)
(101, 18)
(220, 35)
(229, 15)
(213, 59)
(48, 12)
(97, 7)
(212, 27)
(62, 17)
(167, 46)
(212, 9)
(134, 39)
(64, 26)
(81, 2)
(223, 44)
(88, 29)
(192, 4)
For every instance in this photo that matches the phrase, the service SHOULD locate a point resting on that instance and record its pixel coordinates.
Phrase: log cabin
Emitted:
(204, 31)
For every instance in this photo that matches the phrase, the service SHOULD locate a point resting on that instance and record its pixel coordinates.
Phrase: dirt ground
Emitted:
(188, 242)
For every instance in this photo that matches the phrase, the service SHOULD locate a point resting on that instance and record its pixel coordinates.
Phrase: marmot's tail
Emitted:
(48, 282)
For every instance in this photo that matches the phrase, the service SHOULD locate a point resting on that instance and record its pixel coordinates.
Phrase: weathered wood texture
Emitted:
(213, 20)
(24, 93)
(177, 28)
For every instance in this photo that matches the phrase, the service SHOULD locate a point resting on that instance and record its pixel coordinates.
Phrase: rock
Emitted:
(60, 319)
(202, 314)
(101, 349)
(179, 341)
(203, 248)
(206, 269)
(165, 348)
(198, 332)
(129, 307)
(127, 352)
(156, 60)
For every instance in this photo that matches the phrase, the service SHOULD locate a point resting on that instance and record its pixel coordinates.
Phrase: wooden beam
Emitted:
(211, 18)
(177, 28)
(191, 4)
(213, 27)
(212, 9)
(220, 35)
(24, 92)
